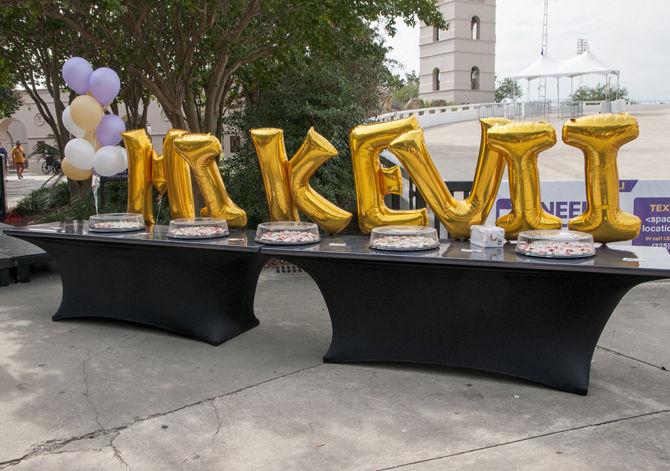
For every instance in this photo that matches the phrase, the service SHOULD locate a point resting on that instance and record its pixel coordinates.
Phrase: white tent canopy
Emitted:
(585, 63)
(542, 67)
(582, 64)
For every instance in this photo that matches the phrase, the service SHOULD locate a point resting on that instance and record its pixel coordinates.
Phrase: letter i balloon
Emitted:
(96, 131)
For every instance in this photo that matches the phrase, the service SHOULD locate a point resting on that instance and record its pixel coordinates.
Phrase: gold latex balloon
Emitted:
(520, 143)
(158, 177)
(287, 187)
(456, 215)
(86, 112)
(600, 138)
(312, 154)
(73, 173)
(367, 141)
(274, 164)
(178, 178)
(201, 152)
(140, 154)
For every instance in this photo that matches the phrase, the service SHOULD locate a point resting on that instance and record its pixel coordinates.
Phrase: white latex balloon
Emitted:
(109, 160)
(125, 157)
(75, 130)
(79, 152)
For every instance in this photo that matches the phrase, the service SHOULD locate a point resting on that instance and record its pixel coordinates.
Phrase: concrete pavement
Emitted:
(82, 395)
(454, 148)
(33, 179)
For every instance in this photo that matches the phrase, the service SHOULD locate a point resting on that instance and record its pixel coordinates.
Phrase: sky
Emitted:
(633, 36)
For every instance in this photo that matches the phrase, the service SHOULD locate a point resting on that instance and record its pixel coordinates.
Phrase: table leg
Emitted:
(23, 274)
(4, 276)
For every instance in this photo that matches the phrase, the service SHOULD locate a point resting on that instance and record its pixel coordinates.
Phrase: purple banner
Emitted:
(563, 209)
(626, 186)
(655, 216)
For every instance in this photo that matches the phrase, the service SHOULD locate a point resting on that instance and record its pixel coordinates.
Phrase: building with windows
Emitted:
(458, 64)
(28, 126)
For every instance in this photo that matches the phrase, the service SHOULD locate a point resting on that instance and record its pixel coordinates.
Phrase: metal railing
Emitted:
(516, 110)
(413, 198)
(393, 115)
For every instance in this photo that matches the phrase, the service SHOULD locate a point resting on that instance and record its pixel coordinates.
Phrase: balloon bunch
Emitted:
(97, 135)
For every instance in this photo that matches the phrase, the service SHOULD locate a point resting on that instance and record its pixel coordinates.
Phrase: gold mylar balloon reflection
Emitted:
(201, 152)
(373, 182)
(73, 173)
(178, 178)
(158, 172)
(140, 159)
(287, 187)
(520, 144)
(600, 138)
(312, 154)
(456, 215)
(269, 144)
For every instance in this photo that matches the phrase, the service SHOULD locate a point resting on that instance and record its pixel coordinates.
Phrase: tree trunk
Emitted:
(79, 190)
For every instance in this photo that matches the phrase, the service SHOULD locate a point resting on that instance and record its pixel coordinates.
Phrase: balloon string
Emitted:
(160, 205)
(96, 186)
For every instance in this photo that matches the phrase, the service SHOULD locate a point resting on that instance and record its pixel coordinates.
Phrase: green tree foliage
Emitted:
(508, 89)
(404, 90)
(189, 54)
(290, 63)
(329, 91)
(35, 48)
(9, 97)
(45, 150)
(9, 100)
(598, 93)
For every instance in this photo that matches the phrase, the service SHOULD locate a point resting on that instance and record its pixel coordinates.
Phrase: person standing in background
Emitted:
(19, 158)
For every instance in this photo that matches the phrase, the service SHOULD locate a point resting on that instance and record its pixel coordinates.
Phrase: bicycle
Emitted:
(51, 164)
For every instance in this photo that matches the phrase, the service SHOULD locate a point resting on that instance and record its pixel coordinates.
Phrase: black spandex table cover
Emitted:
(459, 305)
(201, 289)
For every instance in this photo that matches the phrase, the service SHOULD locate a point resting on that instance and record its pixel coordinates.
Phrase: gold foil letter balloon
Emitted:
(286, 182)
(140, 156)
(178, 178)
(456, 215)
(158, 172)
(312, 154)
(520, 143)
(269, 143)
(201, 151)
(600, 138)
(373, 182)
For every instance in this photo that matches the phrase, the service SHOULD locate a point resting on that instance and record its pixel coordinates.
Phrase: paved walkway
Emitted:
(454, 147)
(83, 395)
(17, 189)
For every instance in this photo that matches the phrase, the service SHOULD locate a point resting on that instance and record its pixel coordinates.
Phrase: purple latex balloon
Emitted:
(104, 85)
(77, 73)
(109, 130)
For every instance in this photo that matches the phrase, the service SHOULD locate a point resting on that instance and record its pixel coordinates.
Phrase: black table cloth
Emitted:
(201, 289)
(458, 305)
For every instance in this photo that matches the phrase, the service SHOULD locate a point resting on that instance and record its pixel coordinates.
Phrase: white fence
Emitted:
(533, 110)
